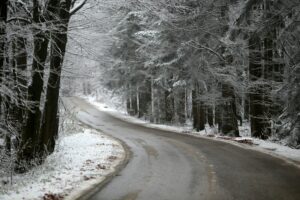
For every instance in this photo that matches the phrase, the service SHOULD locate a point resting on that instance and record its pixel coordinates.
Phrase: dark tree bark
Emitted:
(3, 19)
(194, 109)
(17, 110)
(218, 116)
(20, 82)
(169, 106)
(199, 114)
(210, 116)
(3, 110)
(49, 130)
(246, 108)
(229, 116)
(265, 69)
(180, 105)
(273, 71)
(144, 98)
(30, 148)
(260, 125)
(132, 107)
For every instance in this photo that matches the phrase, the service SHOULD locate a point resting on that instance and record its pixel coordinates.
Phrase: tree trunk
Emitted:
(20, 67)
(132, 108)
(229, 119)
(30, 146)
(169, 106)
(17, 109)
(210, 116)
(153, 117)
(138, 101)
(202, 116)
(246, 105)
(260, 124)
(3, 19)
(199, 114)
(145, 92)
(219, 115)
(49, 130)
(179, 105)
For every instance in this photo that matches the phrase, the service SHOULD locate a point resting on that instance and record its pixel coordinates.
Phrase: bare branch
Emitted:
(19, 19)
(199, 46)
(78, 7)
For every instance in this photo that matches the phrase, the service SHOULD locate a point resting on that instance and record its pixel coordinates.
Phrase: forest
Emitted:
(217, 62)
(33, 39)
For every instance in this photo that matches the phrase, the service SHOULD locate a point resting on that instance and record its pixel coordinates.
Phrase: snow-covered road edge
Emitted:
(288, 155)
(87, 190)
(83, 159)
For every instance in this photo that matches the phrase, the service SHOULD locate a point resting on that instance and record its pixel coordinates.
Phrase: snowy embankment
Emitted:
(81, 160)
(266, 146)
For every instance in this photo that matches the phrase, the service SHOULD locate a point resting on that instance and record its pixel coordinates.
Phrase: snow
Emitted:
(1, 142)
(147, 33)
(106, 107)
(245, 141)
(79, 158)
(179, 83)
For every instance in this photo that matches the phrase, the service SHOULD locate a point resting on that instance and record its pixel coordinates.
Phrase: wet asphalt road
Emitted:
(169, 166)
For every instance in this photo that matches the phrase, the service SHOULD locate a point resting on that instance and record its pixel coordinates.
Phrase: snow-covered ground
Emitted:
(81, 159)
(245, 141)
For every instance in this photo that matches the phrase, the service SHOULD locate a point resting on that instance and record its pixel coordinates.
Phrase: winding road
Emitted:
(169, 166)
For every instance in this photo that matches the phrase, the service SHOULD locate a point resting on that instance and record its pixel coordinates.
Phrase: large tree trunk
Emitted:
(273, 72)
(132, 107)
(219, 115)
(229, 119)
(138, 102)
(179, 104)
(3, 19)
(264, 70)
(199, 113)
(20, 79)
(145, 98)
(30, 148)
(49, 130)
(6, 120)
(29, 140)
(153, 114)
(169, 106)
(210, 115)
(260, 125)
(246, 105)
(17, 109)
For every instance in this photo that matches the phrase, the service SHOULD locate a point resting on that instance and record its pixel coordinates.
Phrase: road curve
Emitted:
(169, 166)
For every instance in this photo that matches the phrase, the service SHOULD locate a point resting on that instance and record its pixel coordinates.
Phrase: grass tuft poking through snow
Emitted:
(78, 158)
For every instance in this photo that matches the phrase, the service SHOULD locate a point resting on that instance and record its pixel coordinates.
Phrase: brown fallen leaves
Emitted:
(50, 196)
(99, 166)
(112, 158)
(86, 178)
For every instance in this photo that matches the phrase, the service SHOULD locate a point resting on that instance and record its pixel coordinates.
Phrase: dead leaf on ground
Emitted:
(99, 166)
(245, 141)
(50, 196)
(112, 158)
(86, 178)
